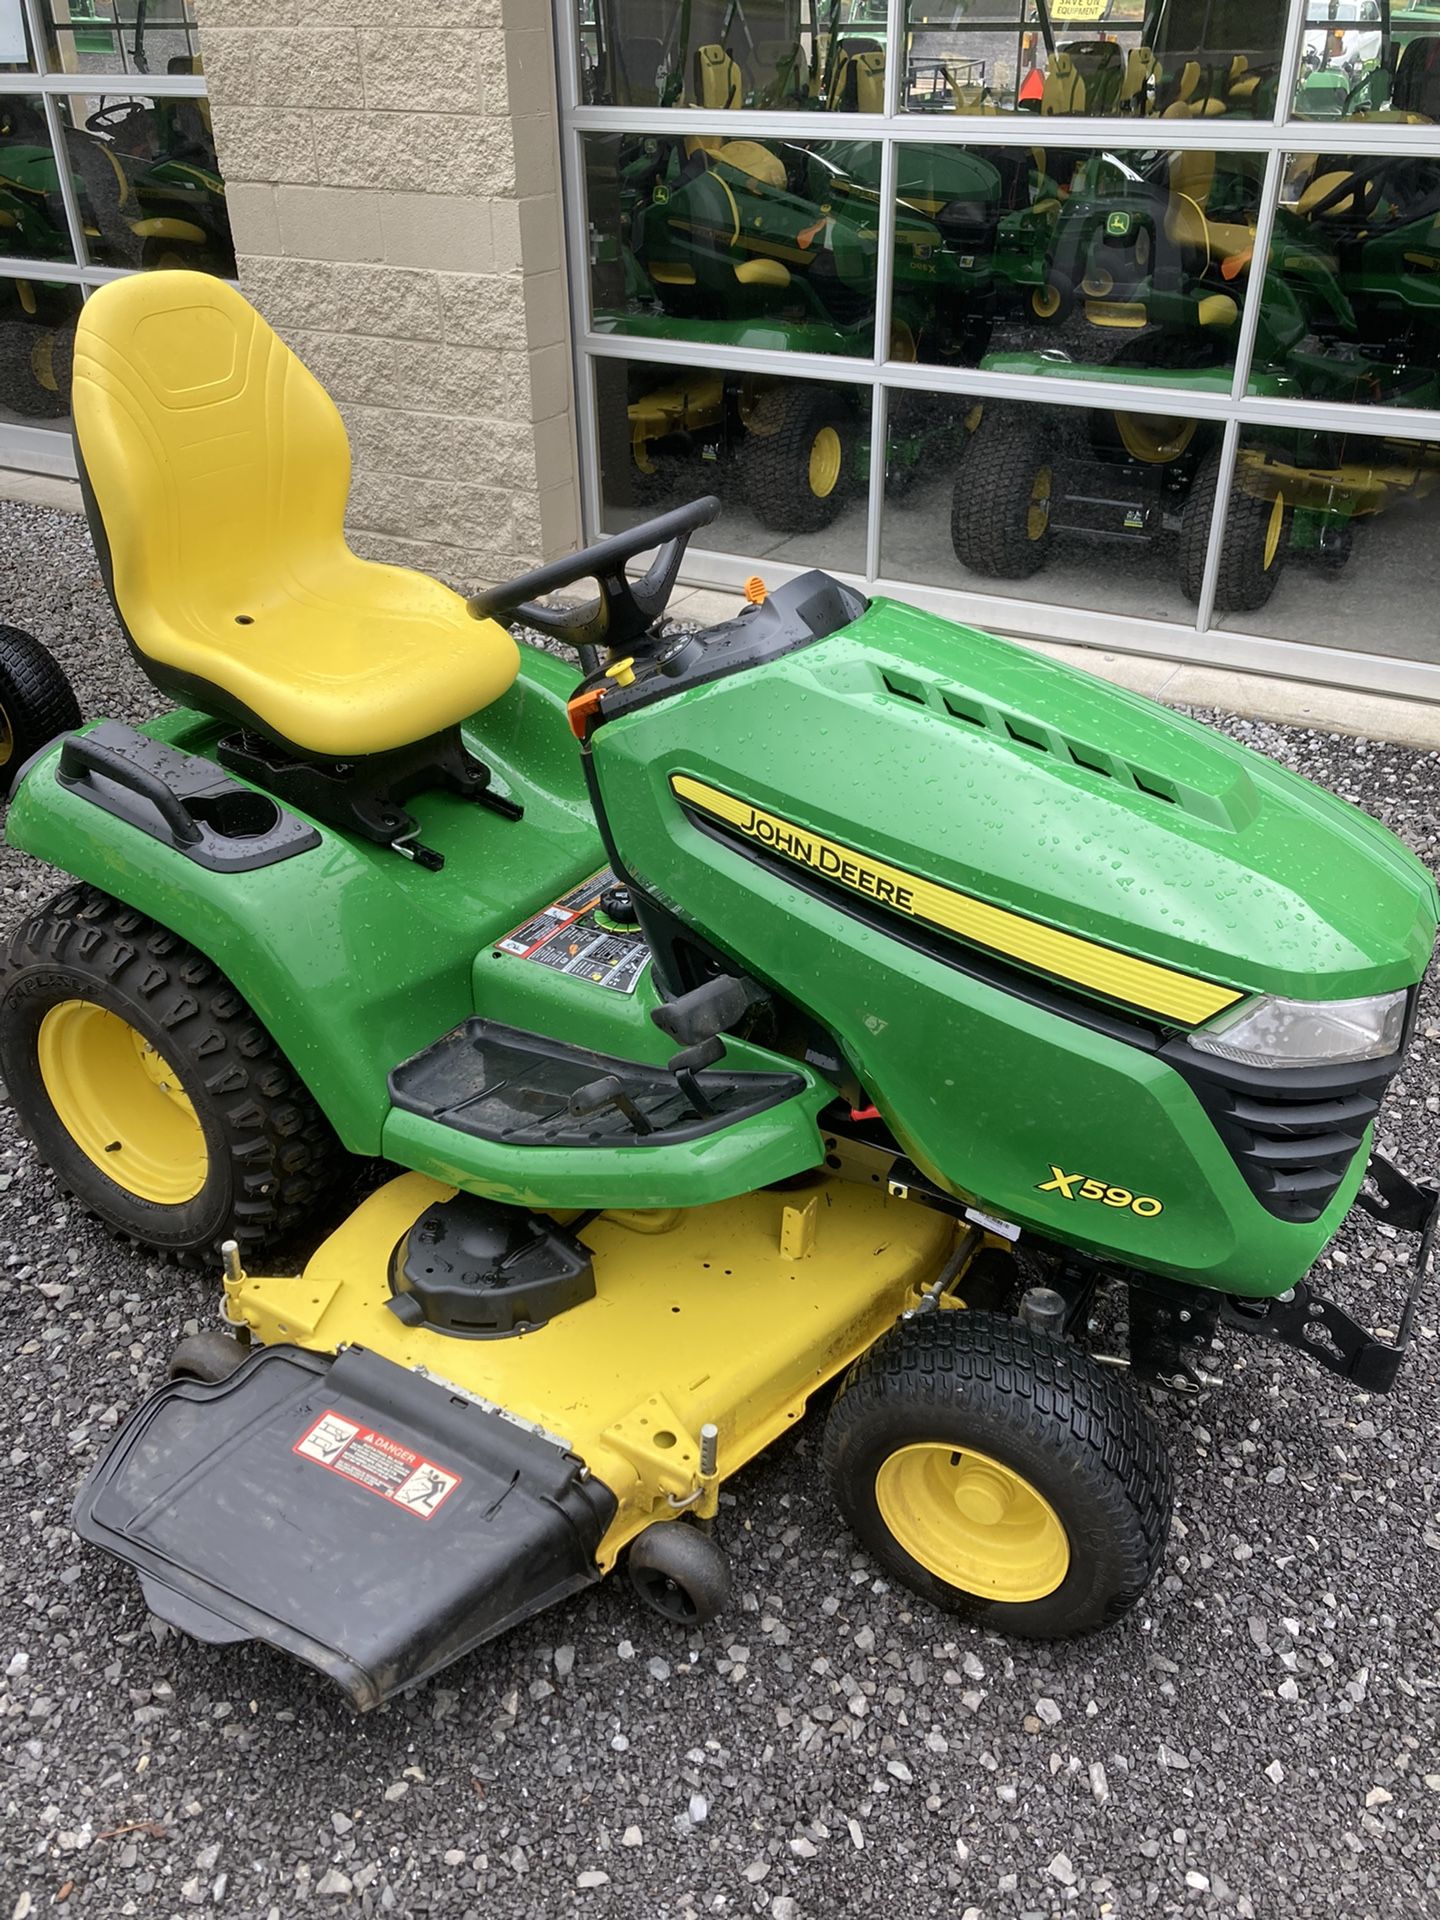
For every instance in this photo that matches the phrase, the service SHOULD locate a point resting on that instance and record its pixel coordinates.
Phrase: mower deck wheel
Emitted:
(36, 701)
(1001, 1473)
(679, 1572)
(210, 1356)
(1000, 508)
(149, 1085)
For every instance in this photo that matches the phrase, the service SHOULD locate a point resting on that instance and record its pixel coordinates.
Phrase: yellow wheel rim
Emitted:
(1155, 438)
(121, 1102)
(1098, 283)
(7, 738)
(1037, 516)
(975, 1524)
(1045, 302)
(826, 455)
(1273, 531)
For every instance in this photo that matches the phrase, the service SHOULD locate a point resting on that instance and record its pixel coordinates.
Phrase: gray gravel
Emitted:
(1259, 1739)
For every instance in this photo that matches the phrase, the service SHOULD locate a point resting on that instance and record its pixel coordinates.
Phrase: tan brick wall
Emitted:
(394, 197)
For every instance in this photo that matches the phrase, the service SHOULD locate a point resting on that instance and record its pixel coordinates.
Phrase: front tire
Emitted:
(1001, 1473)
(148, 1085)
(797, 458)
(1255, 542)
(1000, 509)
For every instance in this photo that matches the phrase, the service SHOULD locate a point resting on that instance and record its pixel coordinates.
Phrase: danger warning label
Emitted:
(375, 1461)
(574, 937)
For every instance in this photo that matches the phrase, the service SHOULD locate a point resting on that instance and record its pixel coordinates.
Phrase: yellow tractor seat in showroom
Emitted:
(217, 472)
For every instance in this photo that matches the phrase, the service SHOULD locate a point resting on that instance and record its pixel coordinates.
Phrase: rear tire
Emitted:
(149, 1086)
(1256, 540)
(1000, 509)
(797, 460)
(1001, 1473)
(37, 702)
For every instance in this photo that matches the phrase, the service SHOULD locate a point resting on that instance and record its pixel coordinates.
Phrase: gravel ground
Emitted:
(1260, 1738)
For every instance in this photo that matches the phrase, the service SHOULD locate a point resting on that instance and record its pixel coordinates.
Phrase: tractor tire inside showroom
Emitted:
(1000, 509)
(1256, 540)
(151, 1088)
(1000, 1472)
(796, 461)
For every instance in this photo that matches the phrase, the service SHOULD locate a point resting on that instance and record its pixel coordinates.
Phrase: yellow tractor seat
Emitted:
(1187, 223)
(717, 80)
(217, 472)
(1064, 90)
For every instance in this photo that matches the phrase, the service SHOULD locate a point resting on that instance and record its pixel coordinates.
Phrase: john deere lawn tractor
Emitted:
(835, 996)
(740, 243)
(1337, 322)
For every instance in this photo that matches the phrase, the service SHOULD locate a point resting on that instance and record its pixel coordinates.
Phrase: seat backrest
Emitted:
(1417, 78)
(1064, 88)
(1141, 68)
(211, 457)
(1192, 174)
(859, 85)
(717, 80)
(1101, 66)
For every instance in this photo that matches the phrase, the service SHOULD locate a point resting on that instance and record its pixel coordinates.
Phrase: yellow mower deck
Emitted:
(733, 1313)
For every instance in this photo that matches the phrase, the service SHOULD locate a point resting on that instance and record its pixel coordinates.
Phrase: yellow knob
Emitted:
(622, 672)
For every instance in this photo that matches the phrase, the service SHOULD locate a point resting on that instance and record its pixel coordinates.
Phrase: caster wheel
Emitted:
(208, 1356)
(680, 1573)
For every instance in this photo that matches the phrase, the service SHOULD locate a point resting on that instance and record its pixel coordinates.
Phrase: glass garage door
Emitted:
(107, 165)
(1114, 321)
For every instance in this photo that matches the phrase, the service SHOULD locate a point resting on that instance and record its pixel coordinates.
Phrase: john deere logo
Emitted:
(1117, 224)
(1066, 956)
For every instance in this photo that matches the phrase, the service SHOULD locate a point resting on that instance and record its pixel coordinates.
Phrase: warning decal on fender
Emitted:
(373, 1460)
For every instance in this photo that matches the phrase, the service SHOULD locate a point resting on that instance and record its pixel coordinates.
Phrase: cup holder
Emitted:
(237, 814)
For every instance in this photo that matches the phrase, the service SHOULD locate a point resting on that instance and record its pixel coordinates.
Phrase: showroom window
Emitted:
(1104, 320)
(107, 165)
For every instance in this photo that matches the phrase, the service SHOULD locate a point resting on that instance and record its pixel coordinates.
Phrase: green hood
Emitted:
(970, 762)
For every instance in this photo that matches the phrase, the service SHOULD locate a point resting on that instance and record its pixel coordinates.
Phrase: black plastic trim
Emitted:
(182, 800)
(515, 1087)
(808, 608)
(236, 1536)
(1293, 1132)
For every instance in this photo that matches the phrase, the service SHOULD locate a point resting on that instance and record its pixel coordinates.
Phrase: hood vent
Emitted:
(1024, 731)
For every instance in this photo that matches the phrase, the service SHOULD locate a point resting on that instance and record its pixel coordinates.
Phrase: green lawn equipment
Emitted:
(1346, 314)
(835, 995)
(727, 243)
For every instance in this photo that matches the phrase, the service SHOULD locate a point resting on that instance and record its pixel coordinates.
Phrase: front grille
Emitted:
(1292, 1132)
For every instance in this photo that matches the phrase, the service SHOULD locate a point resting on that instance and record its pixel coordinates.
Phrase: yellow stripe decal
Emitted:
(1139, 983)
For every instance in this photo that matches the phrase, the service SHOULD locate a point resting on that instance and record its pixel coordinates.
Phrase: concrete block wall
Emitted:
(394, 195)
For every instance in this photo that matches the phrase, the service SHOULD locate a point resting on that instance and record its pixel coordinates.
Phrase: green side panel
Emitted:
(692, 1173)
(523, 993)
(353, 958)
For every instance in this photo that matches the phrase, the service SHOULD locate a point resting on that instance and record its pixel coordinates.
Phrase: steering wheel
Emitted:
(1365, 184)
(626, 609)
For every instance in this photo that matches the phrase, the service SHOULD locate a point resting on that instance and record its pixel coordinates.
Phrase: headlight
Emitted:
(1271, 1032)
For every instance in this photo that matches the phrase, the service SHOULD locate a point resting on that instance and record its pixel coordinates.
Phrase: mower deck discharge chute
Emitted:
(833, 996)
